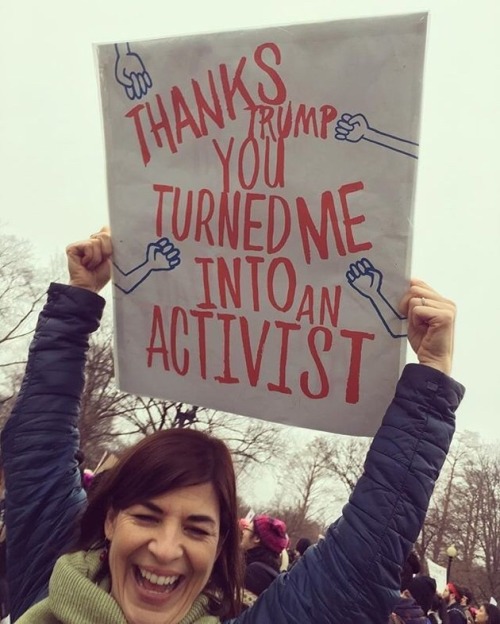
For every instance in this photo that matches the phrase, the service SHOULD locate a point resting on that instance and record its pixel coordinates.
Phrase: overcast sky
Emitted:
(53, 190)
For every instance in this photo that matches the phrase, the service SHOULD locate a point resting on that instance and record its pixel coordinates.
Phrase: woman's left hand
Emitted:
(431, 323)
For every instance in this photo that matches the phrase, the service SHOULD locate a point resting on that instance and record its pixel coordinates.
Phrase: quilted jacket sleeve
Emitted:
(44, 497)
(353, 574)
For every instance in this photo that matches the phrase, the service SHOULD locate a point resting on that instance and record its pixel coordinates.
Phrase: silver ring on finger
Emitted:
(422, 301)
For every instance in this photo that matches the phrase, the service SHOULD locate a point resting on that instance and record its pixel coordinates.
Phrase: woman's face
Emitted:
(481, 615)
(248, 538)
(162, 553)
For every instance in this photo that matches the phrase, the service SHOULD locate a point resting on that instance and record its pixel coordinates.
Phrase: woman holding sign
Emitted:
(157, 543)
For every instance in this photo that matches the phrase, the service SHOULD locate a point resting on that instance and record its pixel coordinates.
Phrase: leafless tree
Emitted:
(345, 458)
(21, 292)
(465, 511)
(304, 483)
(250, 440)
(482, 479)
(442, 527)
(22, 289)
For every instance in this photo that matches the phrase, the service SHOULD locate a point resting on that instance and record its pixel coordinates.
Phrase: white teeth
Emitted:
(158, 580)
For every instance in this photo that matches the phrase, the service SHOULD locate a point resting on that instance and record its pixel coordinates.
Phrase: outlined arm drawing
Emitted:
(161, 255)
(354, 128)
(367, 281)
(131, 73)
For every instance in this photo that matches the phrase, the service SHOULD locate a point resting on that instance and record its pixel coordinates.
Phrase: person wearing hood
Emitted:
(415, 601)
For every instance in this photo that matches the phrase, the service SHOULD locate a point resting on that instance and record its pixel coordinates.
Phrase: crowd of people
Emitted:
(158, 540)
(420, 600)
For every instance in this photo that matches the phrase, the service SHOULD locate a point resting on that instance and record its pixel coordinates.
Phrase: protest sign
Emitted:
(438, 573)
(260, 188)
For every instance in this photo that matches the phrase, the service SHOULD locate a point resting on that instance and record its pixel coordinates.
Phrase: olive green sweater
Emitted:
(74, 597)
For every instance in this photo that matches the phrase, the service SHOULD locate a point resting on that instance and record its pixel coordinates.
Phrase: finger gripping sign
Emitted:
(260, 189)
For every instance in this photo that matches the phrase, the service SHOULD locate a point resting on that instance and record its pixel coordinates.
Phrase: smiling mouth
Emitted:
(155, 583)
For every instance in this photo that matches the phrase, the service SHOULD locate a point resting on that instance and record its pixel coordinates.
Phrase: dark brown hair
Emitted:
(166, 461)
(493, 613)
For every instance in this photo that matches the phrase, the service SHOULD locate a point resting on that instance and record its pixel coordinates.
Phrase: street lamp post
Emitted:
(451, 551)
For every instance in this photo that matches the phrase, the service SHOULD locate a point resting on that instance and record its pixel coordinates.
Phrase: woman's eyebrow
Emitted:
(151, 506)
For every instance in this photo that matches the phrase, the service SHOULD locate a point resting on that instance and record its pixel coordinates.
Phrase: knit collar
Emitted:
(74, 598)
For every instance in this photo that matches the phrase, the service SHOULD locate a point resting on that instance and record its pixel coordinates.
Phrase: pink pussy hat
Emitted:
(272, 532)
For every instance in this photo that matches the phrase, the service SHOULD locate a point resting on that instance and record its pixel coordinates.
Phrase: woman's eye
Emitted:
(145, 518)
(197, 531)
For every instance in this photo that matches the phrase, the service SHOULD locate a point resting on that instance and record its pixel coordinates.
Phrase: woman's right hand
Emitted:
(89, 261)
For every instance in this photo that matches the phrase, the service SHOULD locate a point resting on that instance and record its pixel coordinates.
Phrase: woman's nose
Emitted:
(167, 543)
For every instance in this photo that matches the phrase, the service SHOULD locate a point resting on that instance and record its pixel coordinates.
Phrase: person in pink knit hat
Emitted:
(263, 540)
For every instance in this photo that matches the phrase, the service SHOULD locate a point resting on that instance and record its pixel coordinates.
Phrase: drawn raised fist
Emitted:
(351, 128)
(162, 255)
(364, 278)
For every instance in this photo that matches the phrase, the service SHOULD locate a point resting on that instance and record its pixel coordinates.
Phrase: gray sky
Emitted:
(52, 156)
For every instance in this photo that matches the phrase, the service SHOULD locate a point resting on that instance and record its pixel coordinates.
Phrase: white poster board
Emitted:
(261, 186)
(438, 573)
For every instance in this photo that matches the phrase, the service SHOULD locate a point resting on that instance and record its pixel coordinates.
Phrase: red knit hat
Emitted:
(272, 532)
